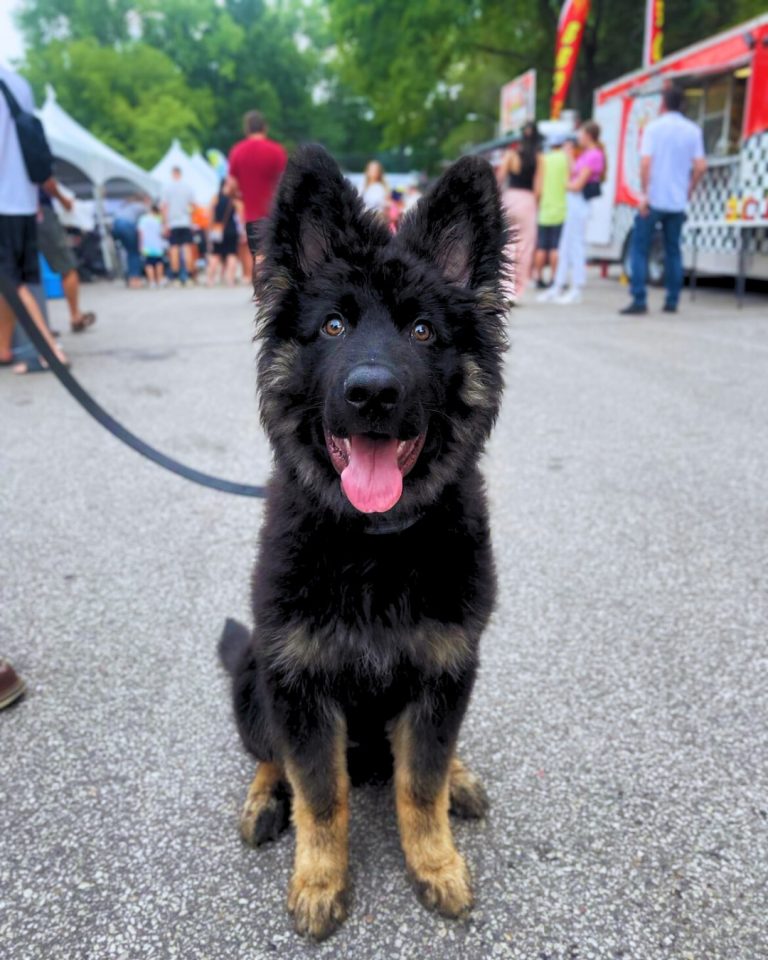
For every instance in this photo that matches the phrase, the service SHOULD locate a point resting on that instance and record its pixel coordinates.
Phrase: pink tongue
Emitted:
(372, 480)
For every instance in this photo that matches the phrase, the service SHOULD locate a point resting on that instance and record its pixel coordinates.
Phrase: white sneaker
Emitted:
(570, 296)
(548, 295)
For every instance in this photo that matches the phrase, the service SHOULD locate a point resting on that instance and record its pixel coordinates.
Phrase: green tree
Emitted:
(135, 98)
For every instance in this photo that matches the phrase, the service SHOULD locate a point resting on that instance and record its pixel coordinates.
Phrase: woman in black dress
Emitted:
(222, 236)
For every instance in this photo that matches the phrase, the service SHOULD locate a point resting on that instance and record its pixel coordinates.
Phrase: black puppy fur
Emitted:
(366, 626)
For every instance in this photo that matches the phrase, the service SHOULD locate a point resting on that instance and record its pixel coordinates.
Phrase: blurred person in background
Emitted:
(587, 173)
(555, 170)
(150, 227)
(125, 230)
(519, 177)
(178, 204)
(672, 161)
(376, 192)
(256, 164)
(53, 243)
(223, 238)
(18, 228)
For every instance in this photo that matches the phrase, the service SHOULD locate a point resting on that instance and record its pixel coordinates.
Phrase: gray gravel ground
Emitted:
(620, 721)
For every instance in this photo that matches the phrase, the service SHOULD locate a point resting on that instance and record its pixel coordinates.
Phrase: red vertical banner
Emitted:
(653, 45)
(570, 30)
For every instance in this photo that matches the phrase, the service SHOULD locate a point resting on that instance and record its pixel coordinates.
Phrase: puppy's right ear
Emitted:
(317, 214)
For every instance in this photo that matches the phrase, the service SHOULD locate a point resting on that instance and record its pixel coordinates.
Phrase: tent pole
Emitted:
(107, 249)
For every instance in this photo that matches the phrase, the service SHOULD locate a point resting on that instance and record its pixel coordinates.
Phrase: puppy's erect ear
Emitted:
(316, 213)
(459, 226)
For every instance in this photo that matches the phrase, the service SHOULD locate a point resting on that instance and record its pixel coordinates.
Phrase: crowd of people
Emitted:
(174, 239)
(548, 186)
(546, 190)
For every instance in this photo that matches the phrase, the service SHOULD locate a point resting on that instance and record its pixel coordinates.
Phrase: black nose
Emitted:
(372, 385)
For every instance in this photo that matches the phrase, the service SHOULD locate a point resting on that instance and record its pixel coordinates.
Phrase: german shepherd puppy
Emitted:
(379, 381)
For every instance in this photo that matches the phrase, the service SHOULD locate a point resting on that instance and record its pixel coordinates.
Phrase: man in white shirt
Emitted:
(672, 162)
(18, 225)
(178, 203)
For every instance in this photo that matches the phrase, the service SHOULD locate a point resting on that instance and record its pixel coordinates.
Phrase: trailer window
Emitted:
(717, 105)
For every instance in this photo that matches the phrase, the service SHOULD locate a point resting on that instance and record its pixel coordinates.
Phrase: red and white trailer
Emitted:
(725, 79)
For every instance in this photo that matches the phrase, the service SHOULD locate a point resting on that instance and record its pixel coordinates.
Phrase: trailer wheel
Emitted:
(655, 258)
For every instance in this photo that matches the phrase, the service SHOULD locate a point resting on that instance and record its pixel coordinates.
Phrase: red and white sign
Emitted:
(518, 102)
(653, 46)
(570, 30)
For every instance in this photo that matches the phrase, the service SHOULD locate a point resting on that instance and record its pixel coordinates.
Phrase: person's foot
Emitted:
(569, 297)
(541, 284)
(634, 309)
(669, 307)
(84, 321)
(11, 684)
(548, 295)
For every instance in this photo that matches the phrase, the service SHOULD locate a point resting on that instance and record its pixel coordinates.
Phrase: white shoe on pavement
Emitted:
(570, 296)
(548, 295)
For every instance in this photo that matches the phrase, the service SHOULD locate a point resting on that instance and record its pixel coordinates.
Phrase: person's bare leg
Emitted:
(230, 276)
(553, 255)
(26, 297)
(160, 271)
(149, 273)
(173, 256)
(71, 284)
(539, 262)
(190, 261)
(213, 271)
(7, 322)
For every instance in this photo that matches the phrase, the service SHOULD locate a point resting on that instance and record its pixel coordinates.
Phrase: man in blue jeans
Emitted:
(672, 162)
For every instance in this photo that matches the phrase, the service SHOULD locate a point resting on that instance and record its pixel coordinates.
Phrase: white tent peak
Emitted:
(199, 174)
(70, 141)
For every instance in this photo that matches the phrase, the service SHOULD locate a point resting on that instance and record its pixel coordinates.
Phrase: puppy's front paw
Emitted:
(318, 906)
(264, 817)
(445, 887)
(469, 799)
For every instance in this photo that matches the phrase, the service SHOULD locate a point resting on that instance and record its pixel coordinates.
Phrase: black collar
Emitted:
(379, 524)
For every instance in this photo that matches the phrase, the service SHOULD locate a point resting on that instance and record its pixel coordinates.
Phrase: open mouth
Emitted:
(372, 467)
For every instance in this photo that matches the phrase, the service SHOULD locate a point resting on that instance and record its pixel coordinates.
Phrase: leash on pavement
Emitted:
(86, 401)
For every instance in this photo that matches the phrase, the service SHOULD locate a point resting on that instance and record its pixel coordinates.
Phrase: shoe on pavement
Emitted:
(11, 684)
(635, 309)
(669, 308)
(548, 295)
(570, 296)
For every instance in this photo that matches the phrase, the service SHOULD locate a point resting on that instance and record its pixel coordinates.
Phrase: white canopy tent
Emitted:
(99, 164)
(71, 142)
(198, 174)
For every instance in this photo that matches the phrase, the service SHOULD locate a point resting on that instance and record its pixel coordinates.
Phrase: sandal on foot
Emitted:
(84, 321)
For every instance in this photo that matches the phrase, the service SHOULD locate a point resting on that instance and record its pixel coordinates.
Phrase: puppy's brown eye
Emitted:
(422, 332)
(333, 326)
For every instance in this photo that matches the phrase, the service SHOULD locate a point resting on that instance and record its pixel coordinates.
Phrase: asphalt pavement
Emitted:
(620, 720)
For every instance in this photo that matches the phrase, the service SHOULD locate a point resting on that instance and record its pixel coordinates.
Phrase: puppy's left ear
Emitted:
(459, 225)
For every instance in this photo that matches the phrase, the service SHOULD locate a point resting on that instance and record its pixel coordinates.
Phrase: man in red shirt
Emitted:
(255, 167)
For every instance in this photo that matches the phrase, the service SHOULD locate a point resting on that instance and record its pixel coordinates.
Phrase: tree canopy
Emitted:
(410, 83)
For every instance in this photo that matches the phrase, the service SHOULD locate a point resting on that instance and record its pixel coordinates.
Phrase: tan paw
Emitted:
(445, 888)
(264, 817)
(468, 798)
(318, 907)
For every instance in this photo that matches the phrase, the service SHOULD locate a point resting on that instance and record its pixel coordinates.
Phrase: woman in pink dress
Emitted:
(519, 177)
(587, 173)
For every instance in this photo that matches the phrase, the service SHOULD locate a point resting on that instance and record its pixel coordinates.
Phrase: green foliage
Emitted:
(139, 72)
(411, 82)
(135, 99)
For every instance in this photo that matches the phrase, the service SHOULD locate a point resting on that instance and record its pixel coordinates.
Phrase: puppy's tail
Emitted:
(234, 642)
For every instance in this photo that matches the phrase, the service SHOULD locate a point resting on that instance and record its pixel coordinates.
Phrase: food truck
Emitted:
(725, 80)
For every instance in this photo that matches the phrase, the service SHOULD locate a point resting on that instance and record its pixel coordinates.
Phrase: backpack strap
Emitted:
(13, 103)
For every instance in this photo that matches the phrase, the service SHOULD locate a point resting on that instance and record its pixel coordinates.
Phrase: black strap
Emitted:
(86, 401)
(13, 103)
